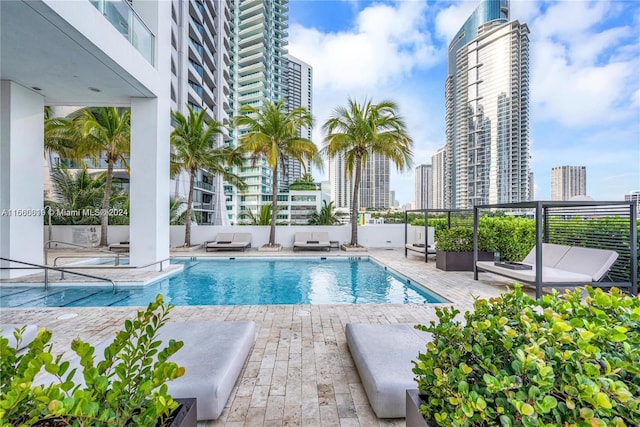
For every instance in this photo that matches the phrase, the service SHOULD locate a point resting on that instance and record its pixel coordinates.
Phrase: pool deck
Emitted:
(299, 372)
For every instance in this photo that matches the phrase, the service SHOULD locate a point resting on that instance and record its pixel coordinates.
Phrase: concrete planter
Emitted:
(186, 414)
(459, 261)
(414, 417)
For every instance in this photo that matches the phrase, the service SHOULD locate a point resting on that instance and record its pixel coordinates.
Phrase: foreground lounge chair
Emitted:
(314, 240)
(382, 355)
(229, 241)
(213, 356)
(29, 334)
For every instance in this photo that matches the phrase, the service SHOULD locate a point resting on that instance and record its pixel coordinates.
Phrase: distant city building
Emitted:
(424, 187)
(374, 184)
(299, 94)
(259, 72)
(532, 187)
(438, 164)
(200, 71)
(341, 185)
(487, 110)
(568, 182)
(392, 199)
(634, 196)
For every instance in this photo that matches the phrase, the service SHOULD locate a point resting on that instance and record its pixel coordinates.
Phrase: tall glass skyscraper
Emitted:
(259, 72)
(487, 110)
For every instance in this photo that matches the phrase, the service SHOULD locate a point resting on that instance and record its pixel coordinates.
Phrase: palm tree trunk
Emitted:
(104, 218)
(354, 202)
(187, 224)
(274, 206)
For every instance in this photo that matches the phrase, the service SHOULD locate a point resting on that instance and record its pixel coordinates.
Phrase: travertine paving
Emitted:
(300, 372)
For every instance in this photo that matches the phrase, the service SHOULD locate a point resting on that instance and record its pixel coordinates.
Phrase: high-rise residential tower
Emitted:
(259, 72)
(200, 63)
(424, 187)
(568, 181)
(374, 183)
(438, 164)
(299, 94)
(487, 109)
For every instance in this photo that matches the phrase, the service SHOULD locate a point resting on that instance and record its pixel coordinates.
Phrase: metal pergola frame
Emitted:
(426, 213)
(541, 216)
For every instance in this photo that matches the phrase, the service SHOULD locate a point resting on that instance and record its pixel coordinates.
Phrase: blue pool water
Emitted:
(243, 281)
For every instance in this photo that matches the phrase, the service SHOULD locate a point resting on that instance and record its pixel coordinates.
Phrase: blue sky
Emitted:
(585, 78)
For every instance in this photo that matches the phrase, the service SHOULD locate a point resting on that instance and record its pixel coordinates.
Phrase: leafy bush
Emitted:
(127, 388)
(460, 239)
(559, 361)
(513, 237)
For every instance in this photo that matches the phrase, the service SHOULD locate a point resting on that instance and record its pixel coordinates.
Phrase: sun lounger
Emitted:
(311, 240)
(227, 241)
(213, 356)
(122, 247)
(382, 355)
(561, 265)
(421, 245)
(28, 335)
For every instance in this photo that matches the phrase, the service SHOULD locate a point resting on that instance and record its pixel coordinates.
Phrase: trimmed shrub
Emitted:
(559, 361)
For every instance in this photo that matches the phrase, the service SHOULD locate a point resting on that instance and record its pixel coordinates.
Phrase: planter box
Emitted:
(459, 261)
(414, 417)
(185, 415)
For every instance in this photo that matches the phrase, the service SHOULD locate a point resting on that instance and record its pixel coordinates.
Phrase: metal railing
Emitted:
(120, 267)
(48, 243)
(47, 268)
(116, 257)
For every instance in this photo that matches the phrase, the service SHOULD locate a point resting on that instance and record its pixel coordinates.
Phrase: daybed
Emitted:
(382, 355)
(213, 356)
(226, 241)
(122, 247)
(561, 264)
(311, 240)
(420, 245)
(29, 334)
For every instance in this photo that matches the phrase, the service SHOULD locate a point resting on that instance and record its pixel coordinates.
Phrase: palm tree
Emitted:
(194, 143)
(325, 216)
(80, 193)
(359, 131)
(275, 134)
(61, 136)
(105, 131)
(263, 216)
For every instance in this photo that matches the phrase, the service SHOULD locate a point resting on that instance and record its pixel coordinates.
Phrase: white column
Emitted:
(149, 185)
(150, 129)
(21, 178)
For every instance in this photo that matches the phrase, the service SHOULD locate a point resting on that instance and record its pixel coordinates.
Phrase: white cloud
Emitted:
(386, 42)
(449, 20)
(578, 79)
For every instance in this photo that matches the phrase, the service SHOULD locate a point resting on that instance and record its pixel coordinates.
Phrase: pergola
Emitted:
(589, 224)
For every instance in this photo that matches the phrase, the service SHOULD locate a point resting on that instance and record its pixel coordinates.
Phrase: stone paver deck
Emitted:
(300, 372)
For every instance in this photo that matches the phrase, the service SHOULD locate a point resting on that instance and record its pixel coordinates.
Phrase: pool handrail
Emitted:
(48, 267)
(112, 267)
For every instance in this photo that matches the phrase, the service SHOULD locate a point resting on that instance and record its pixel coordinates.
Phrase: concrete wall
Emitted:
(373, 236)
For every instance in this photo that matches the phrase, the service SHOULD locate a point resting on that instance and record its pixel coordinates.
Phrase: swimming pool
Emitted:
(243, 281)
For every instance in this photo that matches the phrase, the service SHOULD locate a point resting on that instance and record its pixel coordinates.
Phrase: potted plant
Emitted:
(454, 248)
(128, 387)
(565, 360)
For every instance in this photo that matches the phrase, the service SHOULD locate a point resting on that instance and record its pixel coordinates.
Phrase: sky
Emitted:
(584, 78)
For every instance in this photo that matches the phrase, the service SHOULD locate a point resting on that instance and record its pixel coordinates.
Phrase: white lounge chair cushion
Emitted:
(29, 334)
(593, 262)
(551, 254)
(383, 354)
(549, 274)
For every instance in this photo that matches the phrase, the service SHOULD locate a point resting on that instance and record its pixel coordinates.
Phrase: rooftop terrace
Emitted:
(300, 371)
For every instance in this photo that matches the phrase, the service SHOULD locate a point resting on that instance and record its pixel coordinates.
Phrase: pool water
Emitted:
(243, 281)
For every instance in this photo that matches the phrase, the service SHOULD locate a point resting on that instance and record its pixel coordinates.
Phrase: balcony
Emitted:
(124, 19)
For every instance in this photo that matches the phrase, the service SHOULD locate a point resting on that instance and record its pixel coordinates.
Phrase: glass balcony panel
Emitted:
(124, 19)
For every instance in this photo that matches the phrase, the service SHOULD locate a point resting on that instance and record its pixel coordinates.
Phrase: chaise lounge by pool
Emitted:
(243, 281)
